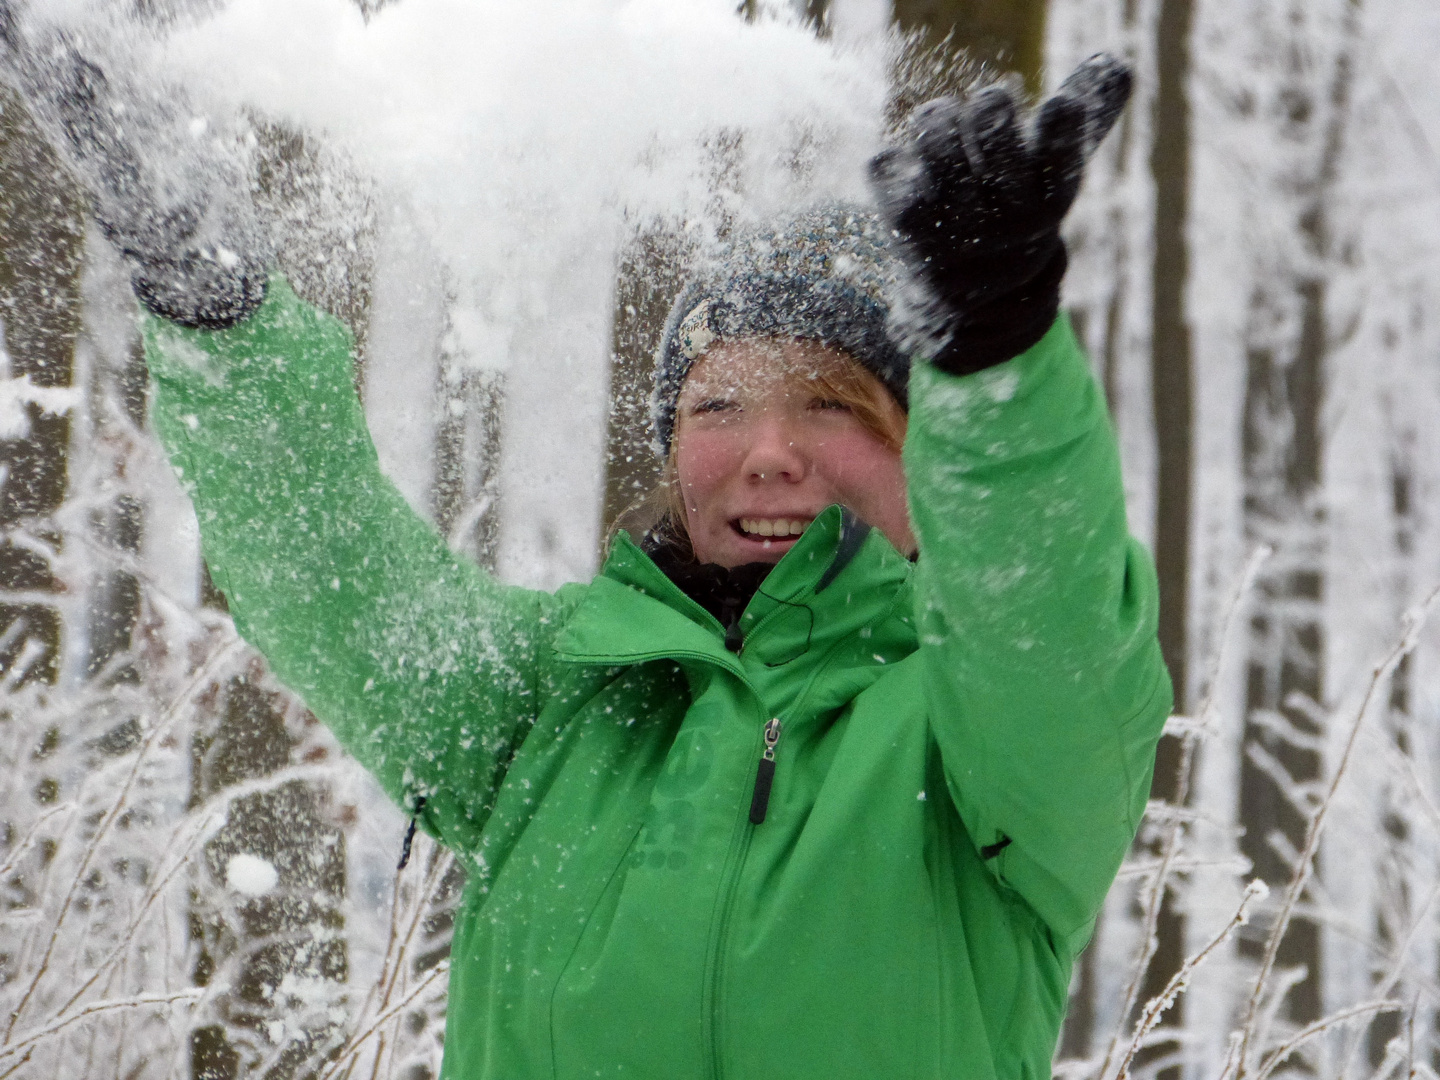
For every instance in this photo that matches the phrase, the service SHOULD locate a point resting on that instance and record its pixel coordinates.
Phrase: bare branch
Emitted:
(1318, 1027)
(1414, 621)
(1156, 892)
(93, 1009)
(1158, 1005)
(385, 1017)
(171, 715)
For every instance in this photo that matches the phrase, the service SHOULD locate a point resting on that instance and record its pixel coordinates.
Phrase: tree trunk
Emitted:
(1283, 454)
(651, 272)
(42, 234)
(1005, 35)
(1172, 396)
(295, 930)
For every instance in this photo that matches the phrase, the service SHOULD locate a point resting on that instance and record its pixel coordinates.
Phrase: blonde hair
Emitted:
(848, 383)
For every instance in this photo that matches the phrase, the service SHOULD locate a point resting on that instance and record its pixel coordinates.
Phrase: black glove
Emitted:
(171, 205)
(977, 201)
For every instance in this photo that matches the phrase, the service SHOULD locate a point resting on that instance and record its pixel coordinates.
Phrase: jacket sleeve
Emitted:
(425, 668)
(1037, 619)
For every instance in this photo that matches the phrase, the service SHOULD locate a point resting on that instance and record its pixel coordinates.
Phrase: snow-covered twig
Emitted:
(1414, 622)
(201, 828)
(24, 1060)
(1171, 848)
(408, 911)
(202, 678)
(1397, 968)
(31, 834)
(1180, 866)
(139, 1002)
(1319, 1027)
(354, 1046)
(1157, 1006)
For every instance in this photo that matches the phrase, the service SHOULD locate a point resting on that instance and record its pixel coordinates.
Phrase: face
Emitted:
(760, 451)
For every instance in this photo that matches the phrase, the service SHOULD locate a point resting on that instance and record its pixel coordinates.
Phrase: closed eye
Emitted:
(713, 405)
(829, 404)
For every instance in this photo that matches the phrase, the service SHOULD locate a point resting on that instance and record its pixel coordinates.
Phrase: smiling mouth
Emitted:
(780, 528)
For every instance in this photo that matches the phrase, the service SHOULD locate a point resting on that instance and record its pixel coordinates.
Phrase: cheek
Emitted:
(866, 475)
(703, 461)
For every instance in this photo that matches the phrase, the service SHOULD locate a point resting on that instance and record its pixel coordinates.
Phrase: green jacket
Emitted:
(966, 747)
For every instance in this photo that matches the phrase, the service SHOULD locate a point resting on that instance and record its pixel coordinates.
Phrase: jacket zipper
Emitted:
(765, 774)
(770, 735)
(759, 804)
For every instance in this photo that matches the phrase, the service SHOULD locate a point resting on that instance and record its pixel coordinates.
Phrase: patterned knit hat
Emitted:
(825, 274)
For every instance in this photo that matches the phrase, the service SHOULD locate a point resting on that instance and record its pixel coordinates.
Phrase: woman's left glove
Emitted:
(976, 198)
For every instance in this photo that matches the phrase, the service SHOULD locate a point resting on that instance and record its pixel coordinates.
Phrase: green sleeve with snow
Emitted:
(424, 667)
(1037, 615)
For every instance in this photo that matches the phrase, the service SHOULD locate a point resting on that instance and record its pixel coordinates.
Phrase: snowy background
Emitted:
(500, 199)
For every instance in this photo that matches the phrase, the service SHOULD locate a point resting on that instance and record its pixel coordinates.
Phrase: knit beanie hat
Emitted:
(825, 274)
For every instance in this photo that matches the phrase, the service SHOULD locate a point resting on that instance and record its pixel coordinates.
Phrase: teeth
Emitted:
(773, 526)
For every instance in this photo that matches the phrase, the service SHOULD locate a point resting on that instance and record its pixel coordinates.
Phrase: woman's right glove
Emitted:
(976, 200)
(173, 204)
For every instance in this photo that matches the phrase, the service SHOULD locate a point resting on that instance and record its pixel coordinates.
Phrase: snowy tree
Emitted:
(196, 880)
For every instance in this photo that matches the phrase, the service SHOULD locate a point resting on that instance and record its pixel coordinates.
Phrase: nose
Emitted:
(774, 454)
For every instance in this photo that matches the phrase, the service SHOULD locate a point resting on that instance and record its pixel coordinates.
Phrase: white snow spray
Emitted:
(513, 147)
(522, 136)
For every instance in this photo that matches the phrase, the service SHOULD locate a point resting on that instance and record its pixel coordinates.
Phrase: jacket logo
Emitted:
(669, 831)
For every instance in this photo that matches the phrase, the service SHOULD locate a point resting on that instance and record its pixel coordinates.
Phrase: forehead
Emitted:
(762, 363)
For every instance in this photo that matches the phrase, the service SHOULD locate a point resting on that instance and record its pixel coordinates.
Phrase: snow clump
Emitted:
(251, 875)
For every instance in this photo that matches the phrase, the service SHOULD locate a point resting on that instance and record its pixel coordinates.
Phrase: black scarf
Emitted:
(722, 591)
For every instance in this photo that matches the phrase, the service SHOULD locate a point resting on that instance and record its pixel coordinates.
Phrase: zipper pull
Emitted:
(734, 636)
(410, 833)
(765, 774)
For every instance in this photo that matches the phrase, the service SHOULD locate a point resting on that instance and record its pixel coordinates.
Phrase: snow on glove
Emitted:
(168, 201)
(976, 198)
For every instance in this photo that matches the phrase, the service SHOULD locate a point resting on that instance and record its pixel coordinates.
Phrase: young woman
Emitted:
(827, 778)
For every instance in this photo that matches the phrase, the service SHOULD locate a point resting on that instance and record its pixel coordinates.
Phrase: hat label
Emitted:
(694, 334)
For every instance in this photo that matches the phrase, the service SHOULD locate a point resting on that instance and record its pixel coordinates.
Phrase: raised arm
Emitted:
(1037, 615)
(1037, 612)
(424, 667)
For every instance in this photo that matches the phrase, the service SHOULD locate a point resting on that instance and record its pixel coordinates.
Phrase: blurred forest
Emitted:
(194, 882)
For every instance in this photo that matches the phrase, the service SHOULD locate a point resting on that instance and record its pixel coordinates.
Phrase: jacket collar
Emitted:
(839, 576)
